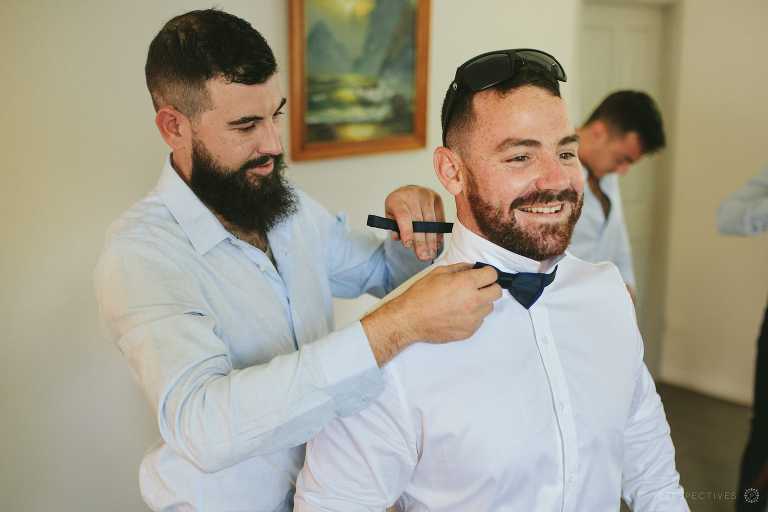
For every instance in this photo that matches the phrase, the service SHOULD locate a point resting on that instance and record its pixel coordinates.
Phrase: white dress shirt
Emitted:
(546, 409)
(597, 238)
(238, 358)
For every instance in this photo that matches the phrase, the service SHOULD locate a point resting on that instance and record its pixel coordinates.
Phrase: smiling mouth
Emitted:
(547, 210)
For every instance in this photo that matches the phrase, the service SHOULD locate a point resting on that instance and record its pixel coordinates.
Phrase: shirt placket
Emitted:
(265, 266)
(561, 399)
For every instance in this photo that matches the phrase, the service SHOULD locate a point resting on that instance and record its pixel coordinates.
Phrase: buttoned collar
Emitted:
(198, 222)
(468, 246)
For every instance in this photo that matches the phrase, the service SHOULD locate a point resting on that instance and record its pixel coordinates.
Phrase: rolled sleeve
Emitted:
(345, 356)
(350, 368)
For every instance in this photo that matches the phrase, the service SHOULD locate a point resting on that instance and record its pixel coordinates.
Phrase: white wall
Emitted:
(716, 286)
(79, 146)
(459, 30)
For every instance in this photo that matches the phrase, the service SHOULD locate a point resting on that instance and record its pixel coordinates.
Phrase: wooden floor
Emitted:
(709, 437)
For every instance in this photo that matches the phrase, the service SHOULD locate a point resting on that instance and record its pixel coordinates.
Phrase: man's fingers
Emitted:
(439, 210)
(404, 219)
(456, 267)
(412, 203)
(440, 217)
(428, 214)
(483, 276)
(420, 246)
(490, 293)
(484, 309)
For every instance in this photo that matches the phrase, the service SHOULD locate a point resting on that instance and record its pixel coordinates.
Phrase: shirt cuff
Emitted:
(344, 354)
(352, 376)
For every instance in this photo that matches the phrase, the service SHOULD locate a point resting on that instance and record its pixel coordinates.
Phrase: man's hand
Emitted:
(410, 203)
(447, 304)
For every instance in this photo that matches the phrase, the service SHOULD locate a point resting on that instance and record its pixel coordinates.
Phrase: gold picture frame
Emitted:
(358, 76)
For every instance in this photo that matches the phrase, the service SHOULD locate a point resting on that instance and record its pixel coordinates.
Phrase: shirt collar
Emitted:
(198, 222)
(470, 247)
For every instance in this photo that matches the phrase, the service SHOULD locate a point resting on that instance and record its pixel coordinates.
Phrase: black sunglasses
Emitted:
(492, 68)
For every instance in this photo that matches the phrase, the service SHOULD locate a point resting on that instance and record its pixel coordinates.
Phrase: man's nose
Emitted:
(553, 176)
(270, 143)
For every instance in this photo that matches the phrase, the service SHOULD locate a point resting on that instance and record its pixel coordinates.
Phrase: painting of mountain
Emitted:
(361, 70)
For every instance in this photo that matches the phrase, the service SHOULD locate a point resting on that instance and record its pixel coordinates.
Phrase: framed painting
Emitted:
(358, 76)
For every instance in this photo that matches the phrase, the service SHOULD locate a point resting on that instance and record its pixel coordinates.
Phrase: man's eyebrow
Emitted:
(511, 142)
(251, 119)
(570, 139)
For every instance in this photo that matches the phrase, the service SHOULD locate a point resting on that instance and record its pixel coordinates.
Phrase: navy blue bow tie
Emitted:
(525, 287)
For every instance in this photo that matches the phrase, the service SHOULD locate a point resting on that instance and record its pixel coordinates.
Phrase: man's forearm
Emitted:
(387, 333)
(216, 416)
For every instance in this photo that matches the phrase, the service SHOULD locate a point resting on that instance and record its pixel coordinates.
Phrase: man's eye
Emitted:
(246, 129)
(568, 155)
(519, 158)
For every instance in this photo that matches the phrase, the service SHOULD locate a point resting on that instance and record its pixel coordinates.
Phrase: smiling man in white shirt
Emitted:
(550, 407)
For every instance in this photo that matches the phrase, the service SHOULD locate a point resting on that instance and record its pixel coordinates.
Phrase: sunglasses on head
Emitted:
(489, 69)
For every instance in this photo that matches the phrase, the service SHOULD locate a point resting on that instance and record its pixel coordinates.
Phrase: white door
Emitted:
(620, 48)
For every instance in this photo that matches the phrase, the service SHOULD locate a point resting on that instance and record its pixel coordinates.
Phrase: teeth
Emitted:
(552, 209)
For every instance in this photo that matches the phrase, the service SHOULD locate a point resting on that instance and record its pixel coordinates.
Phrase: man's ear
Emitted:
(175, 128)
(448, 169)
(600, 130)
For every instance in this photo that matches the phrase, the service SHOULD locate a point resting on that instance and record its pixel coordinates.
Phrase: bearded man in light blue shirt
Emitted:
(217, 287)
(626, 126)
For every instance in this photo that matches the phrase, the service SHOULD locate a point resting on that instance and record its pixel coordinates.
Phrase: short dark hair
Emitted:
(463, 115)
(633, 111)
(197, 46)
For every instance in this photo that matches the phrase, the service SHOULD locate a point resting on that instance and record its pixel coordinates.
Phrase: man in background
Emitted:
(625, 127)
(745, 213)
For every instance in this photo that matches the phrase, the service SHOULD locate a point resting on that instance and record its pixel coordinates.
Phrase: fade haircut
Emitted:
(633, 111)
(463, 116)
(200, 45)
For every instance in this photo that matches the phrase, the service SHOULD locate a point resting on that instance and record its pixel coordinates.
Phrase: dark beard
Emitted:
(246, 205)
(548, 241)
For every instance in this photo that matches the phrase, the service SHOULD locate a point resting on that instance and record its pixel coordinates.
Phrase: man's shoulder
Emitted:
(310, 211)
(597, 287)
(577, 271)
(146, 225)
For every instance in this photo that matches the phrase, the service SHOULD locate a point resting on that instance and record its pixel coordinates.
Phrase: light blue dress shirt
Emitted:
(547, 409)
(597, 238)
(745, 212)
(239, 359)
